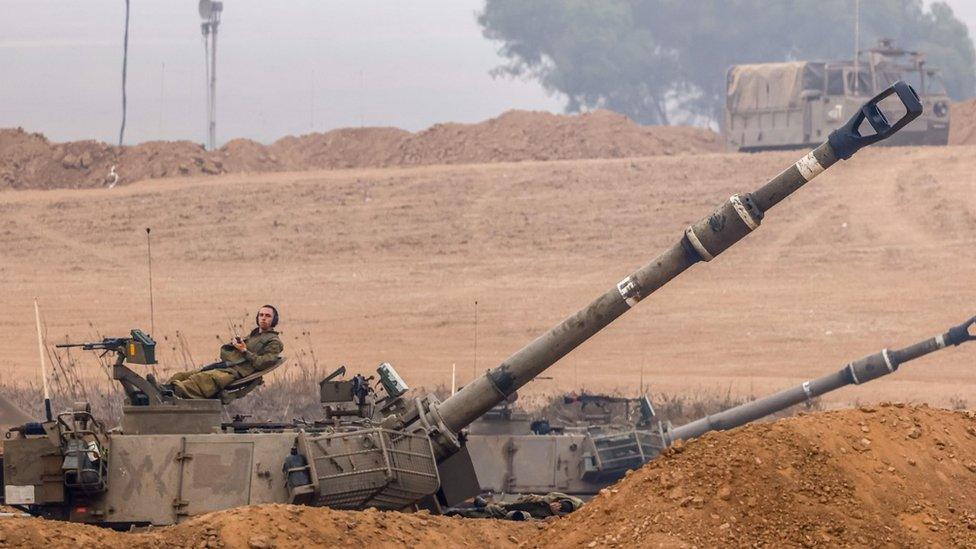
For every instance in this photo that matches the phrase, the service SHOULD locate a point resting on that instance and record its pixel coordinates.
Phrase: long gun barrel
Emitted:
(702, 241)
(857, 372)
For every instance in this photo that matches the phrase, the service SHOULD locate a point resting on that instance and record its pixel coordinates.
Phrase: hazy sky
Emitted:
(284, 67)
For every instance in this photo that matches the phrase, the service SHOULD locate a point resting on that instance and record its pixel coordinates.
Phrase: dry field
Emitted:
(387, 264)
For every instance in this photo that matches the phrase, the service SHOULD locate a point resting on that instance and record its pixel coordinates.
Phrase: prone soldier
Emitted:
(525, 507)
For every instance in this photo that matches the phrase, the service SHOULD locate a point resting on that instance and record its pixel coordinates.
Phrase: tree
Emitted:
(663, 60)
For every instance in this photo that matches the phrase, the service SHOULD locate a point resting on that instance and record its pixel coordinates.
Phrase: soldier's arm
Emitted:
(269, 354)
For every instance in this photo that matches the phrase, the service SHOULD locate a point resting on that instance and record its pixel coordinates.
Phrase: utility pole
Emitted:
(162, 99)
(210, 13)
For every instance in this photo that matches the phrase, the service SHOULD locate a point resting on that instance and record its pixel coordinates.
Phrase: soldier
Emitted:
(525, 507)
(241, 358)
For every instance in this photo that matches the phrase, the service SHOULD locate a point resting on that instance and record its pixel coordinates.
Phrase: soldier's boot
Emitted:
(518, 515)
(178, 390)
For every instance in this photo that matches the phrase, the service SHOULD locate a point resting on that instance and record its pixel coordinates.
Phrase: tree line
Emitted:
(665, 61)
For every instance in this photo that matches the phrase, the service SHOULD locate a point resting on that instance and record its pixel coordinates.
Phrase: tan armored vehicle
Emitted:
(513, 454)
(578, 448)
(792, 105)
(377, 445)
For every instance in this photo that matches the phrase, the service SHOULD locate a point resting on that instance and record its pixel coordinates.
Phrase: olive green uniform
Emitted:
(263, 349)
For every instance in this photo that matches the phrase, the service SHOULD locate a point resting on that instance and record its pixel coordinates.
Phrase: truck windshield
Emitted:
(886, 79)
(863, 83)
(934, 85)
(933, 82)
(835, 82)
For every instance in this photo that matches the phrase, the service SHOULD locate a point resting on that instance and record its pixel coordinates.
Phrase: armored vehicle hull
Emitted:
(775, 106)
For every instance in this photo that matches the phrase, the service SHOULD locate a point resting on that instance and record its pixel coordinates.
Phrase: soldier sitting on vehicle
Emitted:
(525, 507)
(242, 357)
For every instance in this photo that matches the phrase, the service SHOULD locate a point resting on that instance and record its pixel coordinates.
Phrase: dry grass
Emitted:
(75, 375)
(291, 393)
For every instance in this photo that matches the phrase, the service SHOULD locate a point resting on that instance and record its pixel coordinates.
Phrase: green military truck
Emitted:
(789, 105)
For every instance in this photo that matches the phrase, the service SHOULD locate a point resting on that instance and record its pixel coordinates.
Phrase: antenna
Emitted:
(362, 95)
(642, 377)
(210, 13)
(152, 308)
(857, 42)
(162, 98)
(40, 349)
(474, 367)
(453, 378)
(125, 66)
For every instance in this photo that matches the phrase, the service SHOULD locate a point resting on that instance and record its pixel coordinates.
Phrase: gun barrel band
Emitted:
(809, 167)
(887, 359)
(695, 243)
(744, 214)
(628, 290)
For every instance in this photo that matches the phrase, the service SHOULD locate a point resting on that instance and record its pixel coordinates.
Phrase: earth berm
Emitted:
(885, 476)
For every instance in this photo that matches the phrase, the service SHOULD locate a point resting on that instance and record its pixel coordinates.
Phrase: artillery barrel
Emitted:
(702, 241)
(857, 372)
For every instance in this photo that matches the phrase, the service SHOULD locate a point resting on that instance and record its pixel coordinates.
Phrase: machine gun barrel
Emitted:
(702, 241)
(860, 371)
(109, 343)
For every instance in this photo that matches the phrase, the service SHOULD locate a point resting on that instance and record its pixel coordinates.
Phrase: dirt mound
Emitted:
(343, 148)
(267, 526)
(886, 476)
(30, 161)
(521, 135)
(962, 125)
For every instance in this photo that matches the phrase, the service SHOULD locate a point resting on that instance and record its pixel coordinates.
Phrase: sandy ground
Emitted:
(278, 526)
(387, 264)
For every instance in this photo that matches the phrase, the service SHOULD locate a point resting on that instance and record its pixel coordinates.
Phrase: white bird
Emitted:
(113, 178)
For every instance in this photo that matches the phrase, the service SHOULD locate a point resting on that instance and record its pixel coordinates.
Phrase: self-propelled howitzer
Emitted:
(584, 461)
(702, 241)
